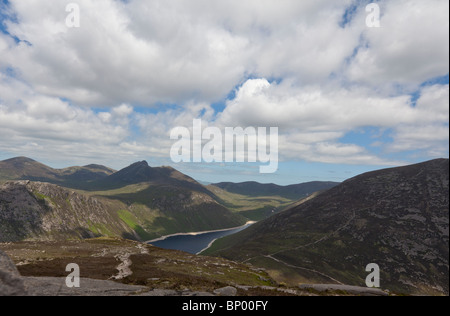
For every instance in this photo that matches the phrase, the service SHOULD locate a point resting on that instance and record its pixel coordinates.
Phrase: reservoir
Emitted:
(194, 243)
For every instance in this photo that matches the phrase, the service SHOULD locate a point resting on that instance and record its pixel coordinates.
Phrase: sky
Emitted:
(346, 97)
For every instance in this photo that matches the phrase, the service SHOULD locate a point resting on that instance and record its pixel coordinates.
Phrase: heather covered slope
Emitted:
(397, 218)
(118, 267)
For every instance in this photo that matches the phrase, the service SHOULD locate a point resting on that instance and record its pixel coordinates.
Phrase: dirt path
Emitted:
(306, 269)
(123, 267)
(271, 256)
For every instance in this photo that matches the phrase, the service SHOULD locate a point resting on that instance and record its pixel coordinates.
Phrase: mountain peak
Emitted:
(99, 167)
(20, 159)
(21, 168)
(143, 163)
(138, 164)
(135, 173)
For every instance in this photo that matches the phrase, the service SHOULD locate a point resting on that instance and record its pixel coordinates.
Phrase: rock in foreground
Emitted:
(11, 283)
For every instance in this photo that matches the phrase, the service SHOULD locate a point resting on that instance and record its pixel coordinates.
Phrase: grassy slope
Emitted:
(254, 208)
(154, 210)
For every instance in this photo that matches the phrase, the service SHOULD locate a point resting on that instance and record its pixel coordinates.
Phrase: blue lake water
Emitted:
(194, 243)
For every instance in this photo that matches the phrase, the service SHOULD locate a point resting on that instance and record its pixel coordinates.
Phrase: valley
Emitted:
(138, 202)
(311, 233)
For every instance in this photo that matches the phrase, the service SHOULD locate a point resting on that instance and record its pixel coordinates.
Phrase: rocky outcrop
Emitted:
(35, 210)
(150, 271)
(346, 289)
(43, 211)
(226, 291)
(49, 286)
(11, 283)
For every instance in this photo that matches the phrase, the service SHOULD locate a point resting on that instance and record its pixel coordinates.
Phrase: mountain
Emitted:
(136, 173)
(164, 191)
(293, 192)
(23, 168)
(138, 202)
(44, 211)
(397, 218)
(257, 201)
(141, 172)
(165, 200)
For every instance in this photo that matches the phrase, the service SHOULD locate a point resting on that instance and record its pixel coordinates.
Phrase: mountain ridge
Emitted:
(144, 202)
(24, 168)
(293, 191)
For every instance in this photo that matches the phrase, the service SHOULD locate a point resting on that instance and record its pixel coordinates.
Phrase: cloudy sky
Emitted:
(347, 98)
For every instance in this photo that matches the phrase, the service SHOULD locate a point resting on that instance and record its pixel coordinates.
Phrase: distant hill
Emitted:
(136, 173)
(397, 218)
(23, 168)
(141, 172)
(293, 192)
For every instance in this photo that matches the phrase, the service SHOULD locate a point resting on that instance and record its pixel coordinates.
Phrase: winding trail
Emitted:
(306, 269)
(123, 267)
(125, 264)
(271, 256)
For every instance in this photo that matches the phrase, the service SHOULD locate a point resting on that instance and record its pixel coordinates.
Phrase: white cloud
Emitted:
(434, 103)
(330, 79)
(159, 51)
(116, 57)
(411, 46)
(175, 51)
(42, 126)
(314, 108)
(430, 133)
(313, 119)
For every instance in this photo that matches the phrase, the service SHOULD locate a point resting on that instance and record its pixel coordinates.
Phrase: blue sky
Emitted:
(346, 98)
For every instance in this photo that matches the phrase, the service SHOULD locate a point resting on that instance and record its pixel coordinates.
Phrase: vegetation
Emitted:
(397, 218)
(151, 267)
